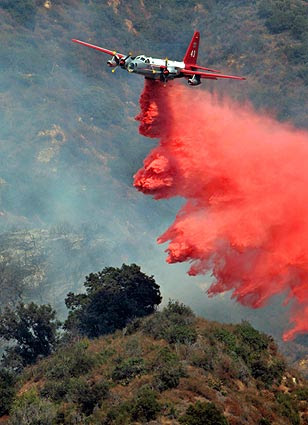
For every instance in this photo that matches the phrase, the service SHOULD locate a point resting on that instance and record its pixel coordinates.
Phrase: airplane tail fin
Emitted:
(191, 54)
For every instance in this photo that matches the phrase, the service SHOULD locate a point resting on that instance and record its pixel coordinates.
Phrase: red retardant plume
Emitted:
(245, 180)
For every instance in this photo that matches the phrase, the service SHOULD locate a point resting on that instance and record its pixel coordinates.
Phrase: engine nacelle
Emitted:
(131, 67)
(114, 61)
(195, 80)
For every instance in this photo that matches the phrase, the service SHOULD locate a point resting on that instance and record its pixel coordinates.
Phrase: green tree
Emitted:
(33, 330)
(113, 297)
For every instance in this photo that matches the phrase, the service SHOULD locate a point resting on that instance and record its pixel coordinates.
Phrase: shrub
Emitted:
(301, 393)
(168, 378)
(145, 407)
(255, 340)
(77, 390)
(206, 358)
(87, 395)
(119, 415)
(179, 309)
(71, 362)
(174, 324)
(68, 414)
(227, 369)
(154, 326)
(182, 334)
(7, 391)
(199, 359)
(269, 373)
(288, 408)
(256, 349)
(226, 337)
(128, 369)
(55, 390)
(165, 356)
(243, 372)
(203, 414)
(30, 410)
(133, 347)
(168, 369)
(63, 369)
(105, 354)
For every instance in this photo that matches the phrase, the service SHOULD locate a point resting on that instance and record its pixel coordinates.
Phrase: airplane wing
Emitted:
(100, 49)
(210, 76)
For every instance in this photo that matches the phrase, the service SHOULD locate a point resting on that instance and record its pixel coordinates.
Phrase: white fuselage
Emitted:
(154, 68)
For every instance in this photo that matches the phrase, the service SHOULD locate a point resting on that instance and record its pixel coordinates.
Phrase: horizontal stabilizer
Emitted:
(203, 68)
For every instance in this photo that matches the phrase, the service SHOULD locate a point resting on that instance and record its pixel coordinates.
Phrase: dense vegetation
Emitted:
(169, 364)
(140, 375)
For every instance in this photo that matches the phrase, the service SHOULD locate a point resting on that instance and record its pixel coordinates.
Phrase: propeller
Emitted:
(123, 60)
(116, 59)
(164, 71)
(120, 61)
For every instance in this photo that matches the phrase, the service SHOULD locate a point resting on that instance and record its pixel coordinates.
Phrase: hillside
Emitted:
(164, 369)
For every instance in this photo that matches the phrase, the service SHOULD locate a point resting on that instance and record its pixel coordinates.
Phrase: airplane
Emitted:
(164, 69)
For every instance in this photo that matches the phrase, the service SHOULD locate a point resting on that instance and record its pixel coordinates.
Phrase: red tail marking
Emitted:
(191, 54)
